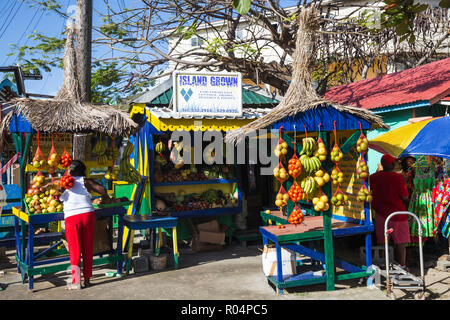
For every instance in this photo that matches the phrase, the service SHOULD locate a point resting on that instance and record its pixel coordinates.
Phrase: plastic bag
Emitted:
(295, 192)
(53, 159)
(339, 198)
(38, 159)
(296, 217)
(337, 176)
(321, 202)
(364, 194)
(362, 170)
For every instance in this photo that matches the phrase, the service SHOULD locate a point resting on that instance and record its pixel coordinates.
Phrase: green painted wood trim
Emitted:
(297, 283)
(354, 275)
(351, 141)
(306, 236)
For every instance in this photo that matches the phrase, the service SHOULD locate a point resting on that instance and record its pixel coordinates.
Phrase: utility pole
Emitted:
(83, 56)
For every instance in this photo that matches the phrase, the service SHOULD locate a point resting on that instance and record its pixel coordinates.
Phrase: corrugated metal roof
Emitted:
(428, 83)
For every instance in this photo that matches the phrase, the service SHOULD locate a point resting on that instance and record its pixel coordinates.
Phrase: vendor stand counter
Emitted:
(289, 237)
(30, 263)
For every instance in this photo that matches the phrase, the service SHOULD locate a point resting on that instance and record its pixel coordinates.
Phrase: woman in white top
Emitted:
(79, 220)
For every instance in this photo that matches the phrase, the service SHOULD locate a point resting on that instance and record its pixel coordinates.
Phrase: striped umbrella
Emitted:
(428, 137)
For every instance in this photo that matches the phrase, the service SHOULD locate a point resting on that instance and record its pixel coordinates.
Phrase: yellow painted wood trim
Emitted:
(20, 214)
(174, 237)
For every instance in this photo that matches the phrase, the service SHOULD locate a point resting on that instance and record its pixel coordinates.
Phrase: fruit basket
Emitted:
(28, 210)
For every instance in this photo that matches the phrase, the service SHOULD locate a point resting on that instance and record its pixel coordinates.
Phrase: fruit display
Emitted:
(337, 176)
(53, 161)
(66, 159)
(309, 146)
(160, 147)
(362, 145)
(336, 154)
(296, 216)
(364, 195)
(67, 181)
(295, 193)
(309, 186)
(280, 173)
(321, 177)
(339, 199)
(128, 172)
(321, 151)
(320, 203)
(112, 174)
(42, 200)
(362, 170)
(38, 159)
(281, 149)
(281, 199)
(310, 163)
(99, 151)
(112, 153)
(294, 167)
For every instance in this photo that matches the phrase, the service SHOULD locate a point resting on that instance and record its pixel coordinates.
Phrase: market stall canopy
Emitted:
(415, 87)
(428, 137)
(67, 111)
(165, 119)
(301, 104)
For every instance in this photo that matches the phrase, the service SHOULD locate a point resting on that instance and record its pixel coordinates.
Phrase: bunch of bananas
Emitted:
(100, 147)
(160, 147)
(310, 164)
(309, 186)
(309, 146)
(129, 173)
(112, 152)
(102, 159)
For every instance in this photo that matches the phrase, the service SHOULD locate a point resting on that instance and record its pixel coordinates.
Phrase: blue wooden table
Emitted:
(291, 236)
(30, 264)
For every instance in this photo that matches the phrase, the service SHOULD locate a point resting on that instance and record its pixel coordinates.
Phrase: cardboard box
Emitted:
(211, 226)
(212, 237)
(198, 246)
(269, 262)
(102, 239)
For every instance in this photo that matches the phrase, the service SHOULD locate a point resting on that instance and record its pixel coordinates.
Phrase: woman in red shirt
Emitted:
(389, 195)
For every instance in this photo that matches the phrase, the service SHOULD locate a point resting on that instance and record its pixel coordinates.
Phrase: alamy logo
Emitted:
(186, 95)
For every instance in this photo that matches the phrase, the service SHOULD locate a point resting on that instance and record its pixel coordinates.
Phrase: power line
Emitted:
(8, 15)
(12, 18)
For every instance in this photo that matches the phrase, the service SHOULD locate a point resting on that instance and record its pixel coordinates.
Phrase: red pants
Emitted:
(80, 238)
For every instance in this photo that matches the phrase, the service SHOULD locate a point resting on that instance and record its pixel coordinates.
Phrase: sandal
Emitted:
(87, 283)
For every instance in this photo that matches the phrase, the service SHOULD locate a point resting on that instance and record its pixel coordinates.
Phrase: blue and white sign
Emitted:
(207, 93)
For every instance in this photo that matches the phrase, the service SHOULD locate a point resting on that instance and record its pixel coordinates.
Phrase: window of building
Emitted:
(196, 42)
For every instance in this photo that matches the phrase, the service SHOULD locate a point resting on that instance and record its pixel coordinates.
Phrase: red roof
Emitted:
(430, 82)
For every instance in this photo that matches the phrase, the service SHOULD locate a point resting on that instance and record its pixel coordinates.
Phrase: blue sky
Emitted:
(18, 19)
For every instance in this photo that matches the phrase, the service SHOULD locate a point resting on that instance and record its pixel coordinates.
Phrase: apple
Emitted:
(53, 203)
(59, 208)
(51, 209)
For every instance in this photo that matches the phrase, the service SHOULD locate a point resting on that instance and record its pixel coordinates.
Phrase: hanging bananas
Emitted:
(309, 146)
(309, 163)
(309, 186)
(129, 173)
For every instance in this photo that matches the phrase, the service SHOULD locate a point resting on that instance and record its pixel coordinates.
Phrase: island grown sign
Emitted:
(207, 93)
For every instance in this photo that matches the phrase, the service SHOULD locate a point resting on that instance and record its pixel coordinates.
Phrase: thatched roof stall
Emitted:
(301, 105)
(67, 112)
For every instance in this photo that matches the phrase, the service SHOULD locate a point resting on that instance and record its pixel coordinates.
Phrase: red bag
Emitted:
(38, 159)
(53, 159)
(339, 198)
(296, 217)
(66, 159)
(67, 181)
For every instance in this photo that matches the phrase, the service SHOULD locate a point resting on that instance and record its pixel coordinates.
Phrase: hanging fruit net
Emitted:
(339, 198)
(321, 202)
(295, 192)
(282, 147)
(281, 198)
(362, 145)
(67, 181)
(294, 166)
(53, 158)
(336, 154)
(280, 173)
(337, 176)
(321, 177)
(66, 158)
(362, 170)
(321, 151)
(364, 194)
(38, 159)
(296, 217)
